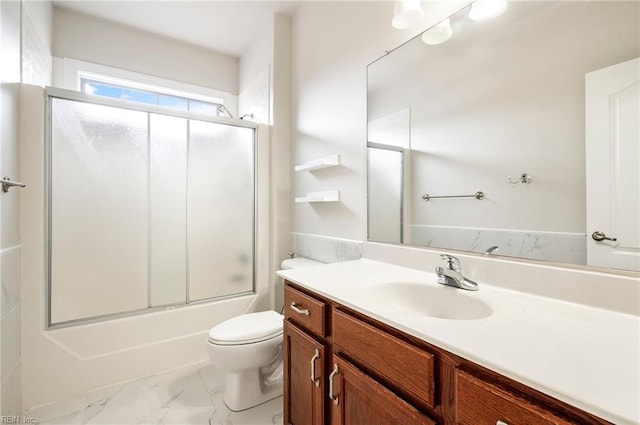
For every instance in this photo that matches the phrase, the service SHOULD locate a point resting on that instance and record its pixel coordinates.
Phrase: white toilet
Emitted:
(249, 349)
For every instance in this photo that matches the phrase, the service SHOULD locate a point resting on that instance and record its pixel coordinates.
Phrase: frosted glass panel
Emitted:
(168, 214)
(385, 195)
(146, 210)
(221, 210)
(99, 206)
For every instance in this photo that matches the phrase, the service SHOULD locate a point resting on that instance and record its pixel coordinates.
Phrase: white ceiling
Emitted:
(224, 26)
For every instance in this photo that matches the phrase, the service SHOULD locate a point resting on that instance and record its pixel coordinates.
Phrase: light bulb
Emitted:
(438, 34)
(406, 13)
(485, 9)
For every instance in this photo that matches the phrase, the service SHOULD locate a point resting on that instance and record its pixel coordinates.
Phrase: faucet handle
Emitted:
(452, 262)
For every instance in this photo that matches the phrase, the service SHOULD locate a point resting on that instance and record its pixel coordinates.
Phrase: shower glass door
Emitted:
(146, 209)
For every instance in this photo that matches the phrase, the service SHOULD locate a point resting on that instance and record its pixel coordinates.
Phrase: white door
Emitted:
(613, 166)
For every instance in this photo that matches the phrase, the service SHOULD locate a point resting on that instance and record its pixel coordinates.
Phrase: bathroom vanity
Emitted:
(353, 355)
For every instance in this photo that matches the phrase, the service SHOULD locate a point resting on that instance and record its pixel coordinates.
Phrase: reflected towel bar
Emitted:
(477, 195)
(8, 183)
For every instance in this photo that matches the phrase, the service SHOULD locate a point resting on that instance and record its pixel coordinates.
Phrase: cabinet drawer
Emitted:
(481, 403)
(403, 366)
(305, 310)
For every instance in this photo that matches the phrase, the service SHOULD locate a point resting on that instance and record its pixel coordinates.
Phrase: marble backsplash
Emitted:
(324, 248)
(555, 246)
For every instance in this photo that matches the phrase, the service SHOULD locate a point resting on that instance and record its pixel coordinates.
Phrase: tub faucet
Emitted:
(452, 274)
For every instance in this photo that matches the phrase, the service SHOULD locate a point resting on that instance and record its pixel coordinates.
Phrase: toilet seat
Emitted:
(247, 329)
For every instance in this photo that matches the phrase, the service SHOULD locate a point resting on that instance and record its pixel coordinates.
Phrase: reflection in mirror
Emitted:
(539, 109)
(385, 202)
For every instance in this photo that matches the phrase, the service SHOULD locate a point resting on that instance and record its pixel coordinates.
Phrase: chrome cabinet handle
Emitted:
(295, 308)
(599, 236)
(332, 397)
(315, 357)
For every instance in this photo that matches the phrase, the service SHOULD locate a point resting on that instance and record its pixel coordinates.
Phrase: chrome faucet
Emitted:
(452, 274)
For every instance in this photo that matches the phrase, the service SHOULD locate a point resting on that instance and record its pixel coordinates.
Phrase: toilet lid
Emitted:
(247, 328)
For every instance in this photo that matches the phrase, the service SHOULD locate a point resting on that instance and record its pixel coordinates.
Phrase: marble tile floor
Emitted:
(191, 395)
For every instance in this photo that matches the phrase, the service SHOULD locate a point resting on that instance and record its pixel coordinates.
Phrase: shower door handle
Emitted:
(8, 183)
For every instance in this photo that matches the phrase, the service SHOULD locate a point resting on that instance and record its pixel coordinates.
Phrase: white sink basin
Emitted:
(440, 302)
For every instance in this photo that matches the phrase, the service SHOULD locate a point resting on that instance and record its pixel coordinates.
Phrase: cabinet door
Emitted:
(356, 399)
(304, 378)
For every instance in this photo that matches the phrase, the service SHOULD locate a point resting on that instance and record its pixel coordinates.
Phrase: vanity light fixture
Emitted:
(406, 13)
(438, 34)
(486, 9)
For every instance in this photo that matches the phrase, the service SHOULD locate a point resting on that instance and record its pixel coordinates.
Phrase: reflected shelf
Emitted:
(317, 164)
(325, 196)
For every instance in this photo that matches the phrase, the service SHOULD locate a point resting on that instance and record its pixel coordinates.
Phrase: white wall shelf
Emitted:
(325, 196)
(317, 164)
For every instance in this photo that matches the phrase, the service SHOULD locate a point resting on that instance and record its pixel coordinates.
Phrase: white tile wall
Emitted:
(36, 55)
(26, 55)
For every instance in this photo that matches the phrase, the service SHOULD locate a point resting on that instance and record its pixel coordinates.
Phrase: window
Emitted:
(149, 96)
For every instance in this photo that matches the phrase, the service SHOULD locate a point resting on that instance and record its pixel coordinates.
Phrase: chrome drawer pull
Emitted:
(331, 396)
(295, 308)
(315, 357)
(501, 423)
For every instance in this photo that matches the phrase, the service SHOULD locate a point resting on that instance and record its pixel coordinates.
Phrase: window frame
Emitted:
(74, 71)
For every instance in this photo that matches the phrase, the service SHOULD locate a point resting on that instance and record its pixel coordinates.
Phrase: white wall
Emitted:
(89, 39)
(265, 91)
(332, 44)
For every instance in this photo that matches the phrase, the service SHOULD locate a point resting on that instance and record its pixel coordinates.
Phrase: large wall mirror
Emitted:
(517, 135)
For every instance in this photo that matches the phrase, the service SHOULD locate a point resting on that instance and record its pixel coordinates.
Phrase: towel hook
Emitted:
(524, 178)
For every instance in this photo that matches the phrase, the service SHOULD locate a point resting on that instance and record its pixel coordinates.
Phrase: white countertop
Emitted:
(585, 356)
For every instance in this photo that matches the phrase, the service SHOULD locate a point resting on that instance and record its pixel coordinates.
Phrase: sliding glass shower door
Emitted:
(146, 209)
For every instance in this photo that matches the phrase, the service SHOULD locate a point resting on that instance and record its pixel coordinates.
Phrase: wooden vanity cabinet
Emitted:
(304, 358)
(403, 367)
(324, 388)
(304, 377)
(482, 403)
(342, 367)
(356, 398)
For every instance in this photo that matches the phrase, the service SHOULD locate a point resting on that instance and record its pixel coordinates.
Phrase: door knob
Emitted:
(600, 236)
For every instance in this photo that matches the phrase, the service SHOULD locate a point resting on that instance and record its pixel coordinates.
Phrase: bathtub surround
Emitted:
(25, 39)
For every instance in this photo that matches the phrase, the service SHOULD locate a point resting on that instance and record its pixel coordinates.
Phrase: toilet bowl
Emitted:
(249, 349)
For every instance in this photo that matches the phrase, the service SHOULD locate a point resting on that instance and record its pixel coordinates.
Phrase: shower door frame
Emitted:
(51, 93)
